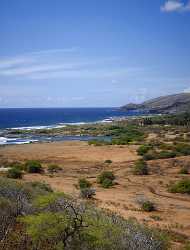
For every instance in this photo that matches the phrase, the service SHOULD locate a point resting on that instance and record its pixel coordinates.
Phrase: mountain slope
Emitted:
(164, 104)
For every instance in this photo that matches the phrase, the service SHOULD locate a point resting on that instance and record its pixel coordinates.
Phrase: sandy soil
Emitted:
(78, 159)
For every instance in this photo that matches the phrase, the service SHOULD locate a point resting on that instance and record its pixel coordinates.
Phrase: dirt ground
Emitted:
(78, 159)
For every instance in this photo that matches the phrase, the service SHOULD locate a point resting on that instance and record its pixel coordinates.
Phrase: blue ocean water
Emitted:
(35, 117)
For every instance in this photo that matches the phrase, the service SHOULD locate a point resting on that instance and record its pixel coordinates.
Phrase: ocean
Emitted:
(42, 117)
(39, 118)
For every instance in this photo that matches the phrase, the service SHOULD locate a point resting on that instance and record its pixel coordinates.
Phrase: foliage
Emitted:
(143, 149)
(108, 161)
(182, 148)
(55, 221)
(182, 186)
(33, 166)
(165, 154)
(148, 206)
(184, 170)
(14, 173)
(84, 183)
(106, 179)
(140, 168)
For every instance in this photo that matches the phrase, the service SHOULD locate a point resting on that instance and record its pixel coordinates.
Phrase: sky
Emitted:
(97, 53)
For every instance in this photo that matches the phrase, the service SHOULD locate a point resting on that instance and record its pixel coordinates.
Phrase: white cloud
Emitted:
(49, 64)
(175, 6)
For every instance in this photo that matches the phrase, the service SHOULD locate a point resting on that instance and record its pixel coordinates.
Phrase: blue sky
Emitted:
(92, 53)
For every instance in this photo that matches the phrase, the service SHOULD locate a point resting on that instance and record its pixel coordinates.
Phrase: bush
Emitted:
(87, 193)
(145, 204)
(16, 165)
(33, 166)
(53, 168)
(151, 155)
(108, 161)
(143, 149)
(182, 186)
(140, 168)
(107, 183)
(148, 206)
(83, 183)
(183, 149)
(184, 170)
(166, 154)
(106, 179)
(55, 221)
(14, 173)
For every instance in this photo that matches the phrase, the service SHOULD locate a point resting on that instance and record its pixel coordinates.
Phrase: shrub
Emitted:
(33, 166)
(184, 170)
(166, 154)
(107, 183)
(140, 168)
(183, 148)
(14, 173)
(106, 179)
(87, 193)
(16, 165)
(148, 206)
(108, 161)
(83, 183)
(145, 204)
(182, 186)
(53, 168)
(143, 149)
(151, 155)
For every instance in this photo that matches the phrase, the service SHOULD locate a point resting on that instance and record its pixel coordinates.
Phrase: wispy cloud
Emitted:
(62, 63)
(175, 6)
(32, 57)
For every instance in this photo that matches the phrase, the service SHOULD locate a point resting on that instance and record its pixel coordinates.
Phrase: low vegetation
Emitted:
(105, 179)
(182, 186)
(14, 173)
(140, 168)
(33, 166)
(36, 218)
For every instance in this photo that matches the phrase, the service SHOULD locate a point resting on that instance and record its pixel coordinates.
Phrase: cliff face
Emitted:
(164, 104)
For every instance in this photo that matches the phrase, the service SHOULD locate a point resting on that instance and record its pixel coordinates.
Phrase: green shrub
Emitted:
(53, 168)
(166, 154)
(151, 155)
(143, 149)
(106, 179)
(107, 183)
(148, 206)
(184, 170)
(182, 186)
(83, 183)
(17, 165)
(183, 148)
(108, 161)
(14, 173)
(140, 168)
(33, 166)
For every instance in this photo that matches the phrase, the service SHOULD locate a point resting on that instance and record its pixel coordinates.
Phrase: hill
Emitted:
(164, 104)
